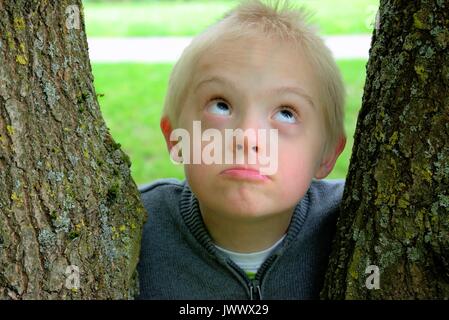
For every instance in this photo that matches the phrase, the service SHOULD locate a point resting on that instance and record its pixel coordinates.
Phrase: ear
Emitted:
(167, 129)
(328, 162)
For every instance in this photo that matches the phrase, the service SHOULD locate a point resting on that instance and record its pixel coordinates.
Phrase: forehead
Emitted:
(258, 63)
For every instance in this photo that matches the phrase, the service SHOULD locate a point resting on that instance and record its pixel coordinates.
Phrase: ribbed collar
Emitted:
(191, 214)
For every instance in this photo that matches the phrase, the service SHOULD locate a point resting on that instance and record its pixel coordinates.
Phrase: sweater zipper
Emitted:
(254, 285)
(254, 289)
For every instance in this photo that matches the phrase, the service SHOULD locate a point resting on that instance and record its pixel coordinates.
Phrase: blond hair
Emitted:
(279, 20)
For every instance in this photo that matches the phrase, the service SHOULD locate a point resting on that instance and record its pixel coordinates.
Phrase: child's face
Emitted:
(254, 69)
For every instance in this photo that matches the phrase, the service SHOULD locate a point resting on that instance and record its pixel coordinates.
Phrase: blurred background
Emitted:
(134, 44)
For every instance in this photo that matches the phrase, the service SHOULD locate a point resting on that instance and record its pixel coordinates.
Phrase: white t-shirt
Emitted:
(250, 262)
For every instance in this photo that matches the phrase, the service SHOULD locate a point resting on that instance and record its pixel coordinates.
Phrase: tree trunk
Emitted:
(395, 208)
(70, 213)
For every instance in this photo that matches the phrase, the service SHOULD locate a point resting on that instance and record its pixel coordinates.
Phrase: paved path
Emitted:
(168, 49)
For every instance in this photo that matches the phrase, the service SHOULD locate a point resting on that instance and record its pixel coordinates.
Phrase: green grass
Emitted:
(179, 18)
(132, 104)
(354, 75)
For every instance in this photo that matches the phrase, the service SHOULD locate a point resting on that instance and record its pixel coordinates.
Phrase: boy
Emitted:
(229, 231)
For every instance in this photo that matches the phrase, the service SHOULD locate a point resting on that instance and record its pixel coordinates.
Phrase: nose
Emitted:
(240, 147)
(249, 125)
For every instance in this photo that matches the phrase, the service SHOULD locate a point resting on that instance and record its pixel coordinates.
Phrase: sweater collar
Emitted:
(191, 214)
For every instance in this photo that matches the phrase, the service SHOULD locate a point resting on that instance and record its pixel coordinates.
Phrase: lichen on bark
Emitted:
(395, 211)
(67, 198)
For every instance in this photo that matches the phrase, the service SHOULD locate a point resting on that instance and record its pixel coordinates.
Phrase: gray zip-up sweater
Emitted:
(178, 259)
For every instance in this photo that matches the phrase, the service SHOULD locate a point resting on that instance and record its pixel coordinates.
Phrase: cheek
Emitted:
(294, 166)
(195, 177)
(201, 176)
(196, 172)
(296, 170)
(216, 122)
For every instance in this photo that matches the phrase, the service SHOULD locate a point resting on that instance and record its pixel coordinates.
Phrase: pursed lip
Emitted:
(245, 173)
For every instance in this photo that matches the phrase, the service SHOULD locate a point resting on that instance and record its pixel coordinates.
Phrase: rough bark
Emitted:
(395, 209)
(66, 194)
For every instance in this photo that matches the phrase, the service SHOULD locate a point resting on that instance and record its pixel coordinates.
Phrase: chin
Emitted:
(245, 209)
(237, 213)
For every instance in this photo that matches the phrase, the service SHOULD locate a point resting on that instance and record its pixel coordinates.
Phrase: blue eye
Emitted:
(220, 107)
(285, 115)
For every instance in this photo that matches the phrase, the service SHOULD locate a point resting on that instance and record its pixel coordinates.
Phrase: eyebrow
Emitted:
(281, 90)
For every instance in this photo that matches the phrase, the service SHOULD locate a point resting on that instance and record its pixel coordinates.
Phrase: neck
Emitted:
(243, 234)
